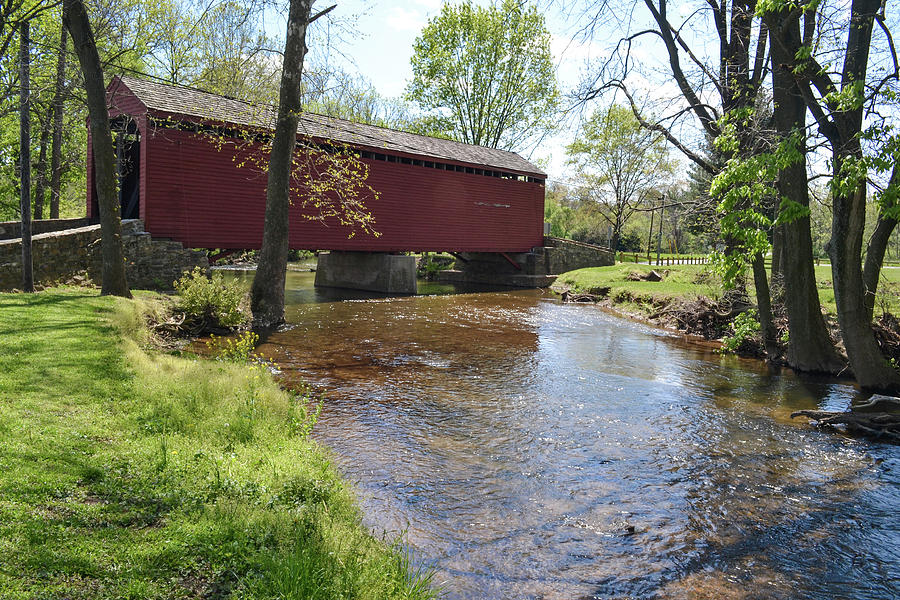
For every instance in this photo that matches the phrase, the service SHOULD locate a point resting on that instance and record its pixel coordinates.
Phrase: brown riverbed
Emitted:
(531, 449)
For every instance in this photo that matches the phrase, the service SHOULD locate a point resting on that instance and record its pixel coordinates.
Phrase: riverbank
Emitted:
(690, 299)
(125, 472)
(682, 298)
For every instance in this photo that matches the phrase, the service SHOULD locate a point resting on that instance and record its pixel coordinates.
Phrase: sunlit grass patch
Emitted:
(127, 473)
(620, 284)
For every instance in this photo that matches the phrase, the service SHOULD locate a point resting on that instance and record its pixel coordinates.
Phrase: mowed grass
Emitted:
(679, 281)
(126, 473)
(887, 299)
(690, 281)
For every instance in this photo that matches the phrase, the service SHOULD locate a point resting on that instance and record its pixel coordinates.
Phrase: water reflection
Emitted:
(536, 450)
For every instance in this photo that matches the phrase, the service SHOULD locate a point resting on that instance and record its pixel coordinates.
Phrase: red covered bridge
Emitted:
(435, 195)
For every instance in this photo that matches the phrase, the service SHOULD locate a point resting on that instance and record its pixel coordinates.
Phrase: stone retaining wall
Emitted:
(60, 255)
(559, 256)
(10, 230)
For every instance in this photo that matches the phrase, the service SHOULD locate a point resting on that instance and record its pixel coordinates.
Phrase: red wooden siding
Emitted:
(196, 193)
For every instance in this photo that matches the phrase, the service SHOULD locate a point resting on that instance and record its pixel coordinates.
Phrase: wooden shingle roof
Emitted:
(178, 100)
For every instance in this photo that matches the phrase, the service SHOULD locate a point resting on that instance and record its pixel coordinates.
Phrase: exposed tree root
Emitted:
(702, 316)
(172, 329)
(881, 425)
(887, 333)
(570, 296)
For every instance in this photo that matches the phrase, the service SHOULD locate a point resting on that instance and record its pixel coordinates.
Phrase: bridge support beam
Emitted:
(371, 271)
(534, 269)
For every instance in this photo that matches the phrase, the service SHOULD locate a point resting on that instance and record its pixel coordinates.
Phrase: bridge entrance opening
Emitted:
(128, 166)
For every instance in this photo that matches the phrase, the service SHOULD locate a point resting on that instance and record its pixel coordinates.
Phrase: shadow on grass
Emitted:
(22, 300)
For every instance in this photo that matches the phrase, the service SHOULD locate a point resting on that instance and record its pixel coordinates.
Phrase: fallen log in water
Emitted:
(876, 424)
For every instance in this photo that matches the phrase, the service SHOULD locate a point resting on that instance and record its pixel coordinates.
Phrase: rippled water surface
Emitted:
(529, 449)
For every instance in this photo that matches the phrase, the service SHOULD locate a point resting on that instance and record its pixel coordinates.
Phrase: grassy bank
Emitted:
(691, 281)
(126, 473)
(618, 284)
(692, 300)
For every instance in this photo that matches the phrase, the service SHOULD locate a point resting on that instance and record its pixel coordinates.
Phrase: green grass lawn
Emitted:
(888, 298)
(679, 281)
(687, 281)
(127, 473)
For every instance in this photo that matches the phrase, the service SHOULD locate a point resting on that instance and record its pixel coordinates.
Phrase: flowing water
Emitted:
(531, 449)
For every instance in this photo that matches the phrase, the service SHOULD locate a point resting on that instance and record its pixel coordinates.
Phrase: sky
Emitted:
(375, 39)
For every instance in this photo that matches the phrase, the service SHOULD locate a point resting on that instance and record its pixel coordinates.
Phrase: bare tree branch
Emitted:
(321, 13)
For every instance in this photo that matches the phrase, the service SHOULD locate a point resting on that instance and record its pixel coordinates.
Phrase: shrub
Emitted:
(239, 349)
(746, 327)
(212, 301)
(429, 265)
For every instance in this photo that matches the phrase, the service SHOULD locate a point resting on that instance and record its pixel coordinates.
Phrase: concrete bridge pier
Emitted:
(370, 271)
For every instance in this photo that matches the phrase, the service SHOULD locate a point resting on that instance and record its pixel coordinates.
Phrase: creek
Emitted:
(526, 448)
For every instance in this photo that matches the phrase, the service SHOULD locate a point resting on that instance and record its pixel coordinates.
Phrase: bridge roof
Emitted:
(189, 102)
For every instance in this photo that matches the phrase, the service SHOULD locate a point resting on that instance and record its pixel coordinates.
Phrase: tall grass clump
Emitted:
(132, 473)
(213, 301)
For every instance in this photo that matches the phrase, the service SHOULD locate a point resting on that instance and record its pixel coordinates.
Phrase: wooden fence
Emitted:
(663, 260)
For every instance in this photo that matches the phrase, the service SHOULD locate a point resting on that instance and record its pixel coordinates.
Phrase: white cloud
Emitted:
(404, 19)
(565, 48)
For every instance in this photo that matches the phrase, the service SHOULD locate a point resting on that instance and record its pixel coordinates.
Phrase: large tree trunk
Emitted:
(25, 156)
(616, 236)
(849, 217)
(810, 347)
(58, 98)
(267, 291)
(877, 247)
(866, 359)
(114, 280)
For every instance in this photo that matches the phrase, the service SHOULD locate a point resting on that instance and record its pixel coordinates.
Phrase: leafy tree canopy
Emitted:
(622, 163)
(485, 75)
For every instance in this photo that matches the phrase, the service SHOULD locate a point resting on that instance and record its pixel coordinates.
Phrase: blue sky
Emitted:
(376, 40)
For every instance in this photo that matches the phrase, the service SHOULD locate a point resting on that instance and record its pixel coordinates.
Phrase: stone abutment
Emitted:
(61, 255)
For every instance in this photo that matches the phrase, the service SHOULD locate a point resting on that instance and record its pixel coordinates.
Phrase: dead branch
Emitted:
(877, 425)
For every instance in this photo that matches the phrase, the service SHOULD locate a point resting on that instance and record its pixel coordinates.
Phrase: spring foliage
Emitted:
(212, 300)
(485, 76)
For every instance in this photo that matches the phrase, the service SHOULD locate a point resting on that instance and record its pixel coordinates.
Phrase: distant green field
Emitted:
(686, 281)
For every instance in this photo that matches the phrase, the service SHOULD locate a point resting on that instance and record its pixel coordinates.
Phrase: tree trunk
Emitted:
(114, 280)
(869, 366)
(58, 98)
(25, 156)
(777, 252)
(267, 291)
(810, 347)
(877, 247)
(764, 307)
(40, 188)
(614, 242)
